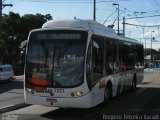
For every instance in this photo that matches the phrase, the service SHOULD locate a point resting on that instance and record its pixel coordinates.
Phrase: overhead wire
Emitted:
(156, 3)
(60, 1)
(107, 2)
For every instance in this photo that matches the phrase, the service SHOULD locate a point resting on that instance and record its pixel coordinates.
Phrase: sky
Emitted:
(106, 13)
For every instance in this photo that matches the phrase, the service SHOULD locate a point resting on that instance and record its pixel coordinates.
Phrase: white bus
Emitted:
(80, 64)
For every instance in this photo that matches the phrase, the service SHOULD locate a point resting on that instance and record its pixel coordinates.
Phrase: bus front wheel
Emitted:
(134, 83)
(107, 94)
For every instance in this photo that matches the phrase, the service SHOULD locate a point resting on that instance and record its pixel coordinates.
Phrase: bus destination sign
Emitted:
(51, 36)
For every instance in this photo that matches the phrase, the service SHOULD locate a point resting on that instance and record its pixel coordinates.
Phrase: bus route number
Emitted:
(59, 90)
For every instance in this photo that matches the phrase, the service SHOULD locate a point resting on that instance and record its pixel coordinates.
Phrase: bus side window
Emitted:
(89, 67)
(109, 57)
(97, 58)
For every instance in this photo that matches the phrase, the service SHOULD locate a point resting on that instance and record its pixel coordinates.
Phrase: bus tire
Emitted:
(107, 93)
(134, 83)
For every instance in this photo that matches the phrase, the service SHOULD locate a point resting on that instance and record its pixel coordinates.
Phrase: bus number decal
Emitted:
(48, 90)
(59, 90)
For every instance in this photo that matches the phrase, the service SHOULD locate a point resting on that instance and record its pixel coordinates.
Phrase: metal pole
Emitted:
(151, 46)
(118, 18)
(1, 7)
(0, 19)
(94, 10)
(0, 25)
(118, 15)
(145, 51)
(145, 46)
(124, 26)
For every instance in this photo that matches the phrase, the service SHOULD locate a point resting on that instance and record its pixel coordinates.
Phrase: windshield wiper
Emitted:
(59, 55)
(45, 50)
(54, 52)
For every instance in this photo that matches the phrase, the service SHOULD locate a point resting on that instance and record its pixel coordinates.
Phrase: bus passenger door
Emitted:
(96, 63)
(97, 71)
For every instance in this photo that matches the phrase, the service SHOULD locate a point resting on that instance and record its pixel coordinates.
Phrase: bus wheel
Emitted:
(107, 94)
(134, 83)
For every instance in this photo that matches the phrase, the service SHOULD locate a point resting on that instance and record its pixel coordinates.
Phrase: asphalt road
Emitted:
(143, 103)
(11, 93)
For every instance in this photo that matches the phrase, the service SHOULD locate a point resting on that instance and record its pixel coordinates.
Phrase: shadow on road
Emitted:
(7, 86)
(141, 102)
(84, 114)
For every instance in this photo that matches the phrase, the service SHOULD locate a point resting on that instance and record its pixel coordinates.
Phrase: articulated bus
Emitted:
(79, 64)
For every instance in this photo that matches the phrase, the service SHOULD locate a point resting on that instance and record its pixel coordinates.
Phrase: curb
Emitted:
(13, 107)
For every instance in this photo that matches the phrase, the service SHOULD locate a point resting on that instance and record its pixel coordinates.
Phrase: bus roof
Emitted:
(97, 28)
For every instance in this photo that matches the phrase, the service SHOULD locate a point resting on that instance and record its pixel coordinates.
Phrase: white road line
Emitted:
(34, 109)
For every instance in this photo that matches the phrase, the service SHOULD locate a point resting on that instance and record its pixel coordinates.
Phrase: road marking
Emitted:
(6, 107)
(123, 100)
(34, 109)
(146, 86)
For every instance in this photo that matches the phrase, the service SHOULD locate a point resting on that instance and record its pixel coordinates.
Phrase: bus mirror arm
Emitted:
(23, 44)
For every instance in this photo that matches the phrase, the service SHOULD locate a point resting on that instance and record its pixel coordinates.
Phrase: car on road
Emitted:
(6, 72)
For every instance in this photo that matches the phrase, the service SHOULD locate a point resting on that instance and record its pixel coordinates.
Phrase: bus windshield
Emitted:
(56, 58)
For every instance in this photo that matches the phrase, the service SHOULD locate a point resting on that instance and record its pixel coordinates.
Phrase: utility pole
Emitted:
(1, 7)
(118, 19)
(151, 47)
(124, 26)
(145, 50)
(94, 10)
(118, 15)
(0, 20)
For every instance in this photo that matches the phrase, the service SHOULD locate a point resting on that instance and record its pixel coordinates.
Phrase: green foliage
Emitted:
(155, 53)
(15, 29)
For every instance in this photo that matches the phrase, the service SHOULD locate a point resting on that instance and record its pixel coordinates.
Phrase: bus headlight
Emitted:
(79, 93)
(30, 91)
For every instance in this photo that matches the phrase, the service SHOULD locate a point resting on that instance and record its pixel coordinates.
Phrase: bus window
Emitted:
(140, 57)
(56, 58)
(109, 57)
(115, 56)
(123, 56)
(89, 67)
(97, 58)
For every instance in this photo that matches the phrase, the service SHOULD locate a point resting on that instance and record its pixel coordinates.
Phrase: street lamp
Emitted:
(151, 46)
(118, 14)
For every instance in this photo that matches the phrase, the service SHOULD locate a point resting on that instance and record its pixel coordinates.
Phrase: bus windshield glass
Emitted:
(55, 58)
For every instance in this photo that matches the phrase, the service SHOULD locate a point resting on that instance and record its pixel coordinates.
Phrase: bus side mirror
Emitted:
(23, 44)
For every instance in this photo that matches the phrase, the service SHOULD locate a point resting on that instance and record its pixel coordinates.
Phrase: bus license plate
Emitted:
(51, 100)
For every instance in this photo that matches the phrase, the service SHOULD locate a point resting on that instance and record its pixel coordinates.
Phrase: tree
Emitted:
(15, 30)
(10, 25)
(30, 21)
(148, 51)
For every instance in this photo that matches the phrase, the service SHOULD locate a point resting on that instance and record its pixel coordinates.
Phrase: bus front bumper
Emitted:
(72, 102)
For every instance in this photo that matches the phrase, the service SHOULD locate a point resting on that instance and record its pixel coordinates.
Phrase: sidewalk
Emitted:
(148, 69)
(20, 77)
